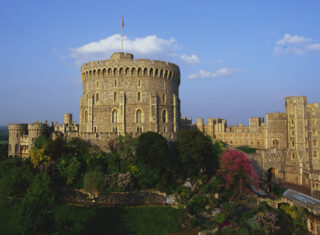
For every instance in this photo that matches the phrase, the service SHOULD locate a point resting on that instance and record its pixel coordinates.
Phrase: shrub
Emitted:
(237, 173)
(94, 182)
(197, 204)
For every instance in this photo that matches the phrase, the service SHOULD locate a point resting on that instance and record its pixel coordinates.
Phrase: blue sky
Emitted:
(237, 58)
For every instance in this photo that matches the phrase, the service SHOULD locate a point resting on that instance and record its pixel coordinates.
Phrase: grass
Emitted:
(105, 220)
(117, 220)
(246, 149)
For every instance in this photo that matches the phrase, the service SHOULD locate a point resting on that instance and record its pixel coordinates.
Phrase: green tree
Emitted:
(35, 215)
(197, 154)
(94, 182)
(69, 169)
(153, 152)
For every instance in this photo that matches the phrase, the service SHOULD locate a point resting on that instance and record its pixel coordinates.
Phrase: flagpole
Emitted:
(122, 34)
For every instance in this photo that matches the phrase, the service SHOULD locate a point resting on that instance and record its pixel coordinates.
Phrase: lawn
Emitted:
(104, 220)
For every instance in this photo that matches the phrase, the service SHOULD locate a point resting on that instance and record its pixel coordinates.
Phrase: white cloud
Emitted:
(193, 59)
(145, 46)
(288, 50)
(217, 61)
(313, 47)
(288, 39)
(223, 72)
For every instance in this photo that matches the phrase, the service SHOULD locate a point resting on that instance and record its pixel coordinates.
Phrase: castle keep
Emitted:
(127, 96)
(124, 95)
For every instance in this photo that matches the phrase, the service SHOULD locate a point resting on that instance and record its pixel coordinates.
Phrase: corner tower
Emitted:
(123, 95)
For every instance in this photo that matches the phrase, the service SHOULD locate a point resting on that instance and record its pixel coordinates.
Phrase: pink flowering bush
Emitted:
(266, 221)
(237, 173)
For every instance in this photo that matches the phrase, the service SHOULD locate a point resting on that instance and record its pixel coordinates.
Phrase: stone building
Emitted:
(21, 136)
(124, 95)
(288, 143)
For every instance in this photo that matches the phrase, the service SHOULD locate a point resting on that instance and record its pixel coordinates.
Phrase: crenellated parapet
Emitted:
(121, 64)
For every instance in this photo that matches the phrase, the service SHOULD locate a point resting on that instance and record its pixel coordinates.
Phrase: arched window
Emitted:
(161, 73)
(16, 149)
(314, 142)
(115, 97)
(166, 74)
(139, 97)
(151, 72)
(275, 142)
(163, 98)
(97, 97)
(94, 129)
(103, 72)
(127, 71)
(115, 72)
(138, 116)
(164, 116)
(115, 82)
(315, 154)
(292, 144)
(156, 73)
(86, 116)
(109, 72)
(145, 72)
(139, 72)
(133, 72)
(292, 156)
(138, 83)
(114, 116)
(121, 71)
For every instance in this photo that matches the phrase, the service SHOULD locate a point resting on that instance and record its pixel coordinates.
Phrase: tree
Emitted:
(153, 159)
(197, 154)
(69, 169)
(237, 173)
(36, 216)
(94, 182)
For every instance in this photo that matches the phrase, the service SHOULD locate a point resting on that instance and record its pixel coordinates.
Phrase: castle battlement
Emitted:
(130, 68)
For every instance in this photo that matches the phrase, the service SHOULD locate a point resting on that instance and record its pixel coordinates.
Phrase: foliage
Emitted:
(267, 221)
(94, 182)
(15, 175)
(297, 215)
(220, 218)
(153, 159)
(126, 147)
(197, 204)
(197, 154)
(277, 190)
(3, 150)
(35, 216)
(38, 156)
(69, 169)
(246, 149)
(237, 173)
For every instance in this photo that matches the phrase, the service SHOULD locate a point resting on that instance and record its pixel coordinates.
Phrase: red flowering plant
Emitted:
(237, 173)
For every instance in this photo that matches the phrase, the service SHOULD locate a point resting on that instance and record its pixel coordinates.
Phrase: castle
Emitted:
(124, 95)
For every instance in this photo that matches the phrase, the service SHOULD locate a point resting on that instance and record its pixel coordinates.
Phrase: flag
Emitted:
(122, 22)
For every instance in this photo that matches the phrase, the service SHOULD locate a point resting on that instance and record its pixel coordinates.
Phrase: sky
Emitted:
(238, 59)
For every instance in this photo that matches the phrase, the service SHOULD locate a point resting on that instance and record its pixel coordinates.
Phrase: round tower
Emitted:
(15, 132)
(123, 95)
(35, 130)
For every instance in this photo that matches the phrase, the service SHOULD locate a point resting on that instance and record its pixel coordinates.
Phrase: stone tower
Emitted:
(123, 95)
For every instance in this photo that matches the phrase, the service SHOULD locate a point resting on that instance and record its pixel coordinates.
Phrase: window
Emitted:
(115, 97)
(115, 82)
(164, 116)
(114, 116)
(114, 130)
(292, 121)
(138, 116)
(139, 129)
(164, 129)
(86, 116)
(292, 133)
(275, 142)
(163, 98)
(292, 144)
(314, 143)
(292, 155)
(94, 129)
(139, 97)
(97, 84)
(97, 97)
(315, 154)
